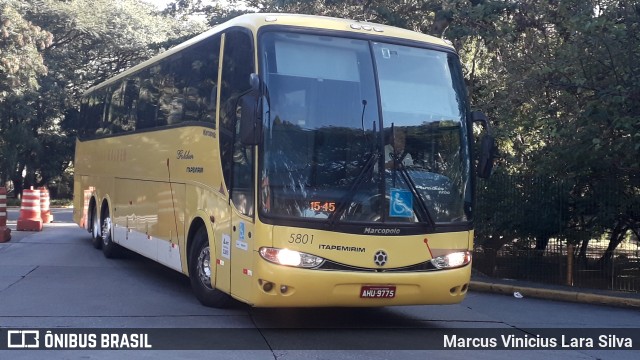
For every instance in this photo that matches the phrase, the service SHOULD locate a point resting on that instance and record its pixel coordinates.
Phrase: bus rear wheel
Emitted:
(201, 271)
(94, 228)
(109, 248)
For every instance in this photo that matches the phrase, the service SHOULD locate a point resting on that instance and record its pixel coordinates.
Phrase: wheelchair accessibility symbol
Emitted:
(401, 203)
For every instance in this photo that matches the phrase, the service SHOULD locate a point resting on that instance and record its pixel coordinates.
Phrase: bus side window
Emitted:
(200, 74)
(91, 115)
(104, 127)
(171, 91)
(169, 102)
(117, 111)
(147, 101)
(236, 158)
(131, 95)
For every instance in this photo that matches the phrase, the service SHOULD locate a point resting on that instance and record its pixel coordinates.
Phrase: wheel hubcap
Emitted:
(106, 231)
(204, 267)
(96, 225)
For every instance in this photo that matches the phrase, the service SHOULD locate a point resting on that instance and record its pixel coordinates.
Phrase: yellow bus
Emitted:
(288, 160)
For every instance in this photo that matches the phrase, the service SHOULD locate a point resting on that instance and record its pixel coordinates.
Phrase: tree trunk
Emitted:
(582, 256)
(17, 186)
(541, 243)
(617, 235)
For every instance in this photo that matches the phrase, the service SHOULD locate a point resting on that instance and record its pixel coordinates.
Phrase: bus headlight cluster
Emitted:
(290, 257)
(453, 260)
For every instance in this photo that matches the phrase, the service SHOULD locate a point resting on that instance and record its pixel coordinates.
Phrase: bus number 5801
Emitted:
(301, 239)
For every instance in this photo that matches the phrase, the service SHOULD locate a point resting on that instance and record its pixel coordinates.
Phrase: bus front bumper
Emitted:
(283, 286)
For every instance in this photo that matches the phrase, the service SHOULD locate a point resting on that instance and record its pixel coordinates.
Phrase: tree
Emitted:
(21, 63)
(215, 12)
(559, 80)
(86, 43)
(21, 47)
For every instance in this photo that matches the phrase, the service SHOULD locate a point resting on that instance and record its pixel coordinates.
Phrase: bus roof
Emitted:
(255, 21)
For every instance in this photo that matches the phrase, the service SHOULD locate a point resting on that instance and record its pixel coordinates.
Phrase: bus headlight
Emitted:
(453, 260)
(290, 257)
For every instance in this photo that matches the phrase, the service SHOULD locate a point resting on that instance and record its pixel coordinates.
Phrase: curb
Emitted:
(561, 295)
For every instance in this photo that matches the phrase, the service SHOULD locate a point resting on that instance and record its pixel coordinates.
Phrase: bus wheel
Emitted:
(96, 234)
(109, 248)
(201, 270)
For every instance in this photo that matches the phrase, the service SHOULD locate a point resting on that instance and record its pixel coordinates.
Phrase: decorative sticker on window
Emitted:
(401, 203)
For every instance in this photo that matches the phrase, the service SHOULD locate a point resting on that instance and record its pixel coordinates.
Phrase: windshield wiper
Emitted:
(368, 168)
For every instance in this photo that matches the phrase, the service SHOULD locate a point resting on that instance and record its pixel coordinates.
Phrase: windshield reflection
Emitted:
(325, 157)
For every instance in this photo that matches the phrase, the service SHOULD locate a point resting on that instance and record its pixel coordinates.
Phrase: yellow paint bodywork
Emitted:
(160, 183)
(308, 288)
(342, 288)
(149, 182)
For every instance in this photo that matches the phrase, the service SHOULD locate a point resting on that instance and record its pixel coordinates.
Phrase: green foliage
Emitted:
(21, 63)
(53, 51)
(21, 47)
(213, 11)
(560, 81)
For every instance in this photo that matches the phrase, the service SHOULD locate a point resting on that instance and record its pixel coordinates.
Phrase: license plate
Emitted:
(377, 292)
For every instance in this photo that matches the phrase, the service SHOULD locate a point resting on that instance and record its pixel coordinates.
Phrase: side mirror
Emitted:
(487, 146)
(250, 118)
(487, 153)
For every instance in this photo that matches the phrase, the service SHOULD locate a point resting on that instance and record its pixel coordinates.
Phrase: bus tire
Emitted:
(109, 248)
(200, 272)
(94, 228)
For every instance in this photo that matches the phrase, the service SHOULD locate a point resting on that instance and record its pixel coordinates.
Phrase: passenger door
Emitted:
(238, 160)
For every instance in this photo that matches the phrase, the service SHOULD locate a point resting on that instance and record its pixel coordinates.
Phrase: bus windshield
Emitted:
(362, 131)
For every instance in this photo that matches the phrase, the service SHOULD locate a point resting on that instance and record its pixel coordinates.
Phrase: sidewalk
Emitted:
(483, 283)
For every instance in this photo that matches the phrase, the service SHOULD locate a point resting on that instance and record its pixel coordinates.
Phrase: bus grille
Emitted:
(335, 266)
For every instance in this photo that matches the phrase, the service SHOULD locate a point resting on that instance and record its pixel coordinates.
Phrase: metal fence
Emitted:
(620, 273)
(531, 221)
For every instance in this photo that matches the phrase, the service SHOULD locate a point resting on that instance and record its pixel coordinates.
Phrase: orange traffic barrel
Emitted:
(45, 210)
(30, 219)
(5, 232)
